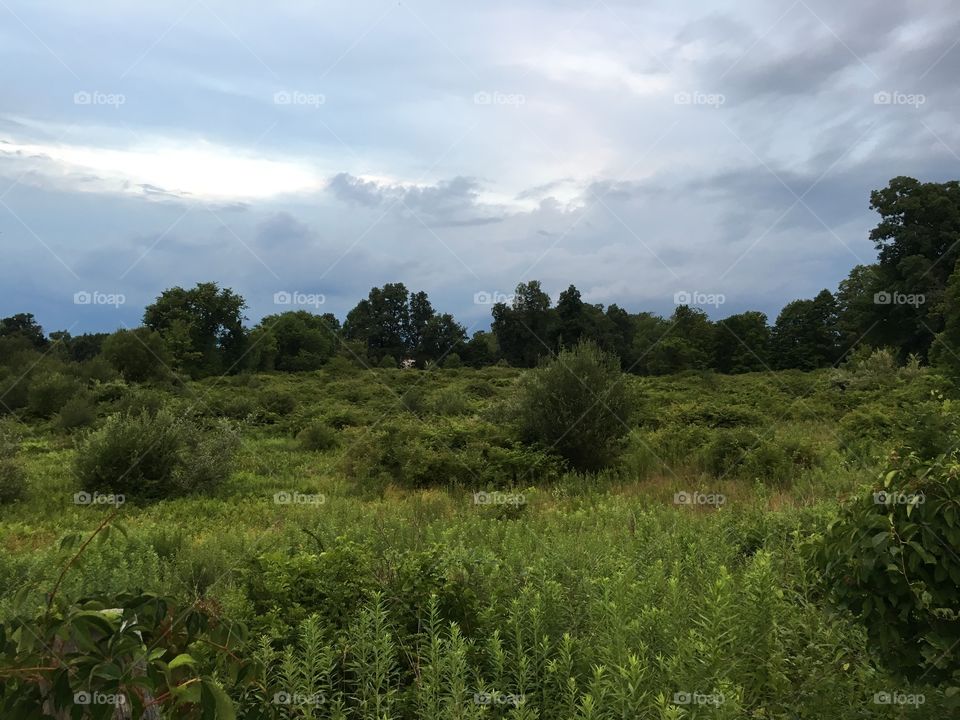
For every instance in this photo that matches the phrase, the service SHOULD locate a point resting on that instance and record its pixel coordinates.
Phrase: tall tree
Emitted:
(523, 328)
(202, 327)
(918, 240)
(742, 343)
(805, 335)
(294, 341)
(25, 327)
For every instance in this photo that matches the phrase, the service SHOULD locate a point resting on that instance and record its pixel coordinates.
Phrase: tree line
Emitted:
(908, 300)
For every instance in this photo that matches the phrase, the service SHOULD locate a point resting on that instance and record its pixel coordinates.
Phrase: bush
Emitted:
(890, 559)
(450, 401)
(727, 452)
(79, 411)
(138, 355)
(388, 362)
(13, 481)
(576, 404)
(154, 456)
(452, 361)
(317, 437)
(277, 403)
(50, 392)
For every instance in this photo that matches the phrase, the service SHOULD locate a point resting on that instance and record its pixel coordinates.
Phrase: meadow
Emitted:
(380, 543)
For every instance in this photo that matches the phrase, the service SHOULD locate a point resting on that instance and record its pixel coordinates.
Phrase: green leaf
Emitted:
(214, 699)
(181, 660)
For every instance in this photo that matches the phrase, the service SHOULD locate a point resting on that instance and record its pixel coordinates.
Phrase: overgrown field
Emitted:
(384, 544)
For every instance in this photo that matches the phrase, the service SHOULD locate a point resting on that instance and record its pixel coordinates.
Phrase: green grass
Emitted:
(599, 597)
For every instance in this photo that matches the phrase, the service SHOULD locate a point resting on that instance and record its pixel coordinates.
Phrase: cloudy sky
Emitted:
(636, 149)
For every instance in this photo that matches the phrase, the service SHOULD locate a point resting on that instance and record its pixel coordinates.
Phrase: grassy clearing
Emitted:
(372, 595)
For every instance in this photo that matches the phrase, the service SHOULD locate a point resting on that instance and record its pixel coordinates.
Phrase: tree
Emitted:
(577, 405)
(918, 240)
(25, 327)
(806, 336)
(139, 355)
(523, 328)
(688, 346)
(856, 308)
(203, 327)
(481, 350)
(742, 343)
(393, 322)
(945, 352)
(294, 341)
(649, 331)
(441, 336)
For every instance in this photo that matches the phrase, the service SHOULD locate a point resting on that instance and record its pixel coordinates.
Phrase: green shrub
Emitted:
(317, 436)
(449, 401)
(577, 405)
(78, 412)
(414, 400)
(277, 403)
(13, 481)
(13, 391)
(452, 361)
(50, 392)
(890, 558)
(726, 453)
(156, 456)
(139, 355)
(387, 362)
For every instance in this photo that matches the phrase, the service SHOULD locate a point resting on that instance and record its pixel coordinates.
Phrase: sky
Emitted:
(303, 152)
